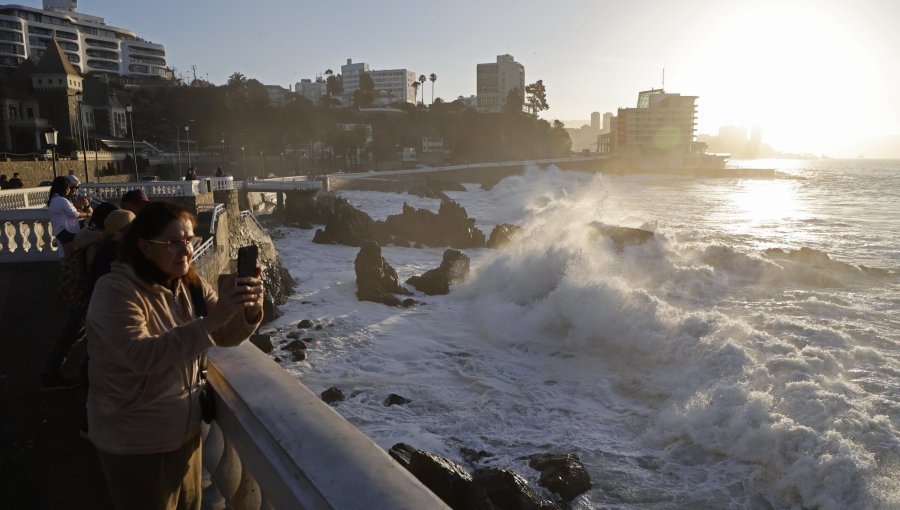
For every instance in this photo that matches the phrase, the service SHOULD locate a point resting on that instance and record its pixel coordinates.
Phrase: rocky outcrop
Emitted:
(454, 268)
(349, 226)
(502, 234)
(332, 395)
(562, 473)
(451, 226)
(376, 280)
(496, 489)
(263, 342)
(424, 191)
(623, 236)
(447, 479)
(487, 489)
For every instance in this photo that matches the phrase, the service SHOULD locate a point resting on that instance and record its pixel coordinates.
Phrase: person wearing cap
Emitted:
(116, 225)
(134, 200)
(64, 216)
(81, 202)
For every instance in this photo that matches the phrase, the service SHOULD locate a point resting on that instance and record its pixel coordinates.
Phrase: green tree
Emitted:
(422, 80)
(537, 97)
(365, 94)
(334, 84)
(514, 101)
(432, 78)
(416, 86)
(237, 80)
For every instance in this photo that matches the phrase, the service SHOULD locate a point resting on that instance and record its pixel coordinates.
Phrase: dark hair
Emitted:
(149, 223)
(98, 217)
(59, 186)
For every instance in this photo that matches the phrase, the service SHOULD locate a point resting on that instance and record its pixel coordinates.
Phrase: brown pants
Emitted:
(156, 481)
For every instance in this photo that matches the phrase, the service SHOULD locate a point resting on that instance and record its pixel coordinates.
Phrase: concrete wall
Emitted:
(33, 172)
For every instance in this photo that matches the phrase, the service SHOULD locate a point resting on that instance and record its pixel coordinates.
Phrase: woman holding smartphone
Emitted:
(65, 218)
(145, 337)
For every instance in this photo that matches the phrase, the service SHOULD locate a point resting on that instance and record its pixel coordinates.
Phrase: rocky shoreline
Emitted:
(561, 474)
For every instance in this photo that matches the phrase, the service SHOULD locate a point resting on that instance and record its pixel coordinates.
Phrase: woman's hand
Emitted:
(236, 294)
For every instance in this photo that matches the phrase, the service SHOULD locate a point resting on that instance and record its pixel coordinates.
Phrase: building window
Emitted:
(30, 112)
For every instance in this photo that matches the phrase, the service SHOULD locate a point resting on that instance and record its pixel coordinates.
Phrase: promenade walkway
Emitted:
(44, 464)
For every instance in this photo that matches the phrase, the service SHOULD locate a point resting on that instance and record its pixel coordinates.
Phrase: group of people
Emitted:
(149, 319)
(14, 183)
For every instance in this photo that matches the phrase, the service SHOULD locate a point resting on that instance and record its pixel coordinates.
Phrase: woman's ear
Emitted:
(144, 246)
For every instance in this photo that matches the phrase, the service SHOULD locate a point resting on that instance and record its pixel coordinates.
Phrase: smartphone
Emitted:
(247, 260)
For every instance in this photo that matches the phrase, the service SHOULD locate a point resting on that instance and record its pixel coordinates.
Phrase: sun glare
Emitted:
(796, 72)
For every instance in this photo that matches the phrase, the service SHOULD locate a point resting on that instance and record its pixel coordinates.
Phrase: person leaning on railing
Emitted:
(64, 216)
(144, 340)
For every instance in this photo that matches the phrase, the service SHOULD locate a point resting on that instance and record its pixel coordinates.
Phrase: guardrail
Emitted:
(24, 198)
(25, 236)
(273, 185)
(275, 444)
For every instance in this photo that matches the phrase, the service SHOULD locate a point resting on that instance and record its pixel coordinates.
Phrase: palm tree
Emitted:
(422, 80)
(433, 79)
(415, 85)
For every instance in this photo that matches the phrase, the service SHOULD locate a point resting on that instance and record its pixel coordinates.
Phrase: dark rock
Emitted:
(277, 359)
(396, 400)
(318, 327)
(502, 234)
(442, 185)
(298, 355)
(294, 346)
(471, 456)
(494, 488)
(263, 342)
(401, 242)
(408, 302)
(423, 190)
(447, 479)
(294, 334)
(561, 473)
(451, 226)
(278, 285)
(305, 324)
(349, 226)
(376, 280)
(454, 268)
(623, 236)
(309, 340)
(332, 395)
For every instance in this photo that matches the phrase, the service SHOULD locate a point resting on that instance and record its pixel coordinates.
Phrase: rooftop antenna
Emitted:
(194, 68)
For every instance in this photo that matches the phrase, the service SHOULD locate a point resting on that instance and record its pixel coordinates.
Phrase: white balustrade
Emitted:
(221, 183)
(25, 236)
(24, 198)
(159, 189)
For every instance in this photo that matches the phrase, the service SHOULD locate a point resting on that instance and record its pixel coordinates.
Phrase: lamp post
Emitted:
(262, 161)
(50, 137)
(223, 151)
(79, 97)
(243, 164)
(130, 111)
(187, 135)
(177, 142)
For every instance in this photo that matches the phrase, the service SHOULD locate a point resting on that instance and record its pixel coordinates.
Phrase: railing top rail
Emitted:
(301, 452)
(438, 169)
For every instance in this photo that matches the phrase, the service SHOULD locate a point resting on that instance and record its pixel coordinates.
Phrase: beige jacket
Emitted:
(144, 343)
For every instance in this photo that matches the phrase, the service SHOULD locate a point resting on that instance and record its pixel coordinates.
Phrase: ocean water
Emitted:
(748, 356)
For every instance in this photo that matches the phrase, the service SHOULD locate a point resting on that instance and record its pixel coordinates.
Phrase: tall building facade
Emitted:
(314, 91)
(494, 81)
(391, 85)
(88, 43)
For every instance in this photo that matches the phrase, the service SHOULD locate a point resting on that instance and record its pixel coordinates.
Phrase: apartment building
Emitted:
(88, 43)
(495, 80)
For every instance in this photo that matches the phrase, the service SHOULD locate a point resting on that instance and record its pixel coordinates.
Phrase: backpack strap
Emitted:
(200, 310)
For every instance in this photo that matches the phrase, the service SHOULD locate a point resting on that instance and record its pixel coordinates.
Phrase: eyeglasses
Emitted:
(175, 246)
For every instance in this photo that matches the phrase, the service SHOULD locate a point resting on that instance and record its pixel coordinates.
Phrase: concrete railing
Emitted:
(275, 444)
(439, 169)
(269, 185)
(25, 236)
(221, 183)
(153, 189)
(24, 198)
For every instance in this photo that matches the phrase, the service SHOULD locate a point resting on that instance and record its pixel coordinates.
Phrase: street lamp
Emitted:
(130, 110)
(243, 164)
(187, 135)
(262, 160)
(177, 141)
(50, 137)
(79, 98)
(223, 151)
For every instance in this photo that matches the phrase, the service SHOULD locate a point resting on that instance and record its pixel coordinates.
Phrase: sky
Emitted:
(819, 76)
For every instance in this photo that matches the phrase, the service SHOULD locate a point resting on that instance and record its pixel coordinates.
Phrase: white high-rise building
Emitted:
(496, 80)
(314, 91)
(89, 44)
(391, 85)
